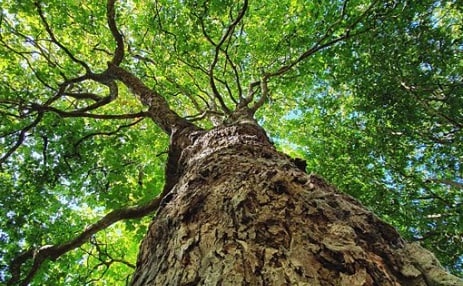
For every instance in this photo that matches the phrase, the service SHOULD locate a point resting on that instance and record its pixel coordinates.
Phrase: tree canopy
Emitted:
(369, 93)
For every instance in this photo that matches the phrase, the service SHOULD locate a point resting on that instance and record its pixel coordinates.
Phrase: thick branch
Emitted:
(264, 95)
(159, 110)
(44, 108)
(83, 96)
(111, 15)
(53, 252)
(429, 266)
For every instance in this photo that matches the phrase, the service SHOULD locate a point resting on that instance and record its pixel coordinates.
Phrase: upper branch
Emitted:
(324, 42)
(111, 15)
(159, 110)
(55, 41)
(218, 49)
(327, 40)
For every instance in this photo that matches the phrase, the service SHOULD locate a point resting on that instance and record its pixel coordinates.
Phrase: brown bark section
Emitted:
(241, 213)
(159, 111)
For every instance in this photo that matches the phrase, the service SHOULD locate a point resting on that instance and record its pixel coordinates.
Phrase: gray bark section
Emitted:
(243, 214)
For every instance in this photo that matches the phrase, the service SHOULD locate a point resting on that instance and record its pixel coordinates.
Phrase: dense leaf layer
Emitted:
(369, 93)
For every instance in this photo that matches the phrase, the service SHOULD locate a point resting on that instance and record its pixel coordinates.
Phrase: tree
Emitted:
(96, 100)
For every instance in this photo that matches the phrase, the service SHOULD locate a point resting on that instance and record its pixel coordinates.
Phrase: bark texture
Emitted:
(241, 213)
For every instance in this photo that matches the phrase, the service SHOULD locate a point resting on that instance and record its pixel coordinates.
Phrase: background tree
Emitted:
(368, 93)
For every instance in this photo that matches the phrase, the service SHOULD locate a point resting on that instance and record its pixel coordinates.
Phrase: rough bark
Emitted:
(241, 213)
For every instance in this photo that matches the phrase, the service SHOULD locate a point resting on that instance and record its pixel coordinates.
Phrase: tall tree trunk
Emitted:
(241, 213)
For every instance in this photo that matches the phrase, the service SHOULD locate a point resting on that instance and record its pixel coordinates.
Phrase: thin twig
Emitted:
(21, 138)
(55, 41)
(109, 133)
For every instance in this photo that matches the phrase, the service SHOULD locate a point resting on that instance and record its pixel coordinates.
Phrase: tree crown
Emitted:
(90, 92)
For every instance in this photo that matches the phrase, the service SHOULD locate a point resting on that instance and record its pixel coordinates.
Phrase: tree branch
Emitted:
(218, 49)
(111, 15)
(53, 252)
(447, 182)
(54, 40)
(83, 95)
(429, 108)
(107, 133)
(317, 47)
(21, 138)
(113, 93)
(264, 94)
(321, 44)
(26, 59)
(159, 110)
(44, 108)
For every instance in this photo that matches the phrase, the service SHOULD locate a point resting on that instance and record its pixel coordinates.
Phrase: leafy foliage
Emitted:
(369, 93)
(388, 118)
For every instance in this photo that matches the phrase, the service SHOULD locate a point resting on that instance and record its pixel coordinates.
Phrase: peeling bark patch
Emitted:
(197, 203)
(196, 182)
(335, 261)
(271, 233)
(279, 187)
